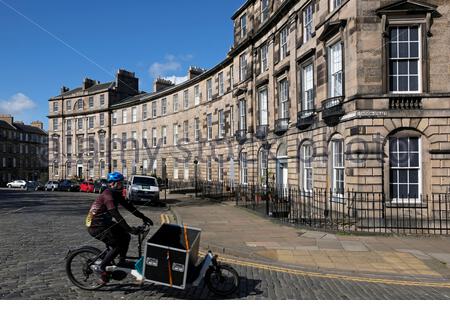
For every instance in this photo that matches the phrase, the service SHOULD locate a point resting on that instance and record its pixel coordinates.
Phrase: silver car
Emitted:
(51, 185)
(143, 189)
(17, 184)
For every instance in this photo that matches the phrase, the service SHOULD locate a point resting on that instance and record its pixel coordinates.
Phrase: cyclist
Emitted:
(101, 226)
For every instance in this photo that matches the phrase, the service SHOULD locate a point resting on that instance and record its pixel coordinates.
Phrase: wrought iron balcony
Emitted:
(305, 118)
(261, 131)
(281, 126)
(241, 135)
(333, 110)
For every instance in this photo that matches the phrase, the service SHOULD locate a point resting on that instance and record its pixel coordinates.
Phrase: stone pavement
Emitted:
(242, 233)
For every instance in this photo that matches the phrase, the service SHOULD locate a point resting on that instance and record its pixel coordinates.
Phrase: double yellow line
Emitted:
(165, 218)
(261, 266)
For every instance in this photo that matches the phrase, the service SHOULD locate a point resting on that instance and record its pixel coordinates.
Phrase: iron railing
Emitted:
(351, 211)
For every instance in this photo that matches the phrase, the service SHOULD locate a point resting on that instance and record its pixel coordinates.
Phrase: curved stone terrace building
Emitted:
(338, 94)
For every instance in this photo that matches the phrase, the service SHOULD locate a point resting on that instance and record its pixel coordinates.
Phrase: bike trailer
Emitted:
(169, 255)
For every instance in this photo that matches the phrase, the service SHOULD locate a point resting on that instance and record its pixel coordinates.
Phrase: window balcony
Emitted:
(333, 110)
(261, 131)
(241, 135)
(281, 126)
(305, 119)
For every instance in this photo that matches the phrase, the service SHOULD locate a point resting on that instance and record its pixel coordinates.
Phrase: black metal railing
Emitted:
(351, 211)
(281, 126)
(333, 108)
(305, 118)
(241, 135)
(261, 131)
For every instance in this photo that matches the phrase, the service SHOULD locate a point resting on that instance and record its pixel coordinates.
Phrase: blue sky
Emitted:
(147, 37)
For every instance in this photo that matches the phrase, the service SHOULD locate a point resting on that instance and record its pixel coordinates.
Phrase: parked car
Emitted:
(143, 189)
(17, 184)
(74, 186)
(51, 185)
(87, 186)
(35, 185)
(65, 185)
(100, 185)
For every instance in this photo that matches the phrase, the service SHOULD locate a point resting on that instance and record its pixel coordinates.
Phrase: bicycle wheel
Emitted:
(78, 268)
(222, 280)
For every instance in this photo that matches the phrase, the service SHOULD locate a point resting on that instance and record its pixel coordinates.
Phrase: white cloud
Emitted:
(170, 65)
(177, 80)
(17, 104)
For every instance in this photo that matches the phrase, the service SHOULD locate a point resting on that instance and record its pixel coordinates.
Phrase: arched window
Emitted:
(305, 166)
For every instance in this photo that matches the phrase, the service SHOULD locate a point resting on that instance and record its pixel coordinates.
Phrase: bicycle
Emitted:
(221, 279)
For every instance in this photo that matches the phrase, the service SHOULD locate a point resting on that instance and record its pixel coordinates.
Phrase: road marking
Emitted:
(15, 211)
(165, 218)
(334, 276)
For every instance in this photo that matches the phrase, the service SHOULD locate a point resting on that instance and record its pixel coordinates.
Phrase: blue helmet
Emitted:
(115, 176)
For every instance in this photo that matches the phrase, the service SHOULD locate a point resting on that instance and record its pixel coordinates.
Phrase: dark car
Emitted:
(65, 185)
(75, 186)
(36, 186)
(100, 185)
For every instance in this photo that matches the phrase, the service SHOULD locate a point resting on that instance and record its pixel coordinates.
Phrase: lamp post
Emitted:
(266, 146)
(195, 175)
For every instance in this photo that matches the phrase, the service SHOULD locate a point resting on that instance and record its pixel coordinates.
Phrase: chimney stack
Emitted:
(127, 82)
(7, 118)
(38, 124)
(87, 83)
(161, 84)
(64, 89)
(194, 72)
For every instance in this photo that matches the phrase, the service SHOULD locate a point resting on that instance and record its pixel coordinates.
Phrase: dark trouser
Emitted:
(115, 237)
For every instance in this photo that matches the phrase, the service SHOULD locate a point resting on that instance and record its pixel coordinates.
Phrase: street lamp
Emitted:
(266, 146)
(195, 175)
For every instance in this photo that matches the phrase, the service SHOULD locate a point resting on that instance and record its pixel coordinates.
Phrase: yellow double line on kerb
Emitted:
(334, 276)
(165, 218)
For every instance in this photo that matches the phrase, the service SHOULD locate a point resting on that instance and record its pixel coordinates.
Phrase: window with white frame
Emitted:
(284, 43)
(91, 144)
(144, 112)
(243, 25)
(69, 145)
(102, 119)
(55, 124)
(164, 106)
(186, 131)
(209, 90)
(404, 59)
(80, 104)
(175, 169)
(91, 102)
(145, 166)
(209, 125)
(80, 145)
(338, 167)
(221, 84)
(405, 168)
(134, 139)
(306, 160)
(242, 67)
(91, 122)
(231, 76)
(154, 138)
(263, 104)
(283, 97)
(242, 115)
(221, 124)
(101, 142)
(244, 168)
(175, 103)
(144, 138)
(175, 134)
(334, 4)
(335, 75)
(134, 114)
(102, 99)
(197, 129)
(164, 135)
(124, 140)
(220, 170)
(208, 168)
(55, 106)
(263, 53)
(197, 95)
(264, 10)
(186, 99)
(307, 87)
(124, 116)
(68, 105)
(154, 111)
(114, 118)
(308, 22)
(69, 125)
(102, 168)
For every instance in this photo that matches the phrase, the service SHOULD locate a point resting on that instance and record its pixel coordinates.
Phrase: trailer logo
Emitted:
(178, 267)
(152, 262)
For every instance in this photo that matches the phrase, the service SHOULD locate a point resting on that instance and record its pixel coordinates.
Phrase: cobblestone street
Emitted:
(37, 230)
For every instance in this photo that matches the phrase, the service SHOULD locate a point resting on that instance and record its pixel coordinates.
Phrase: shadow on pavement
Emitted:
(247, 287)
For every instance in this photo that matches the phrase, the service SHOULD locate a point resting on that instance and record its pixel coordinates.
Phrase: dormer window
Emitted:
(243, 26)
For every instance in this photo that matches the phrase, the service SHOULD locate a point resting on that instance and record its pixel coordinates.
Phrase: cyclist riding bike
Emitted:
(101, 226)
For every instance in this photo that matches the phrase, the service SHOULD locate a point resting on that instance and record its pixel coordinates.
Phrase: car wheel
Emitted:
(9, 186)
